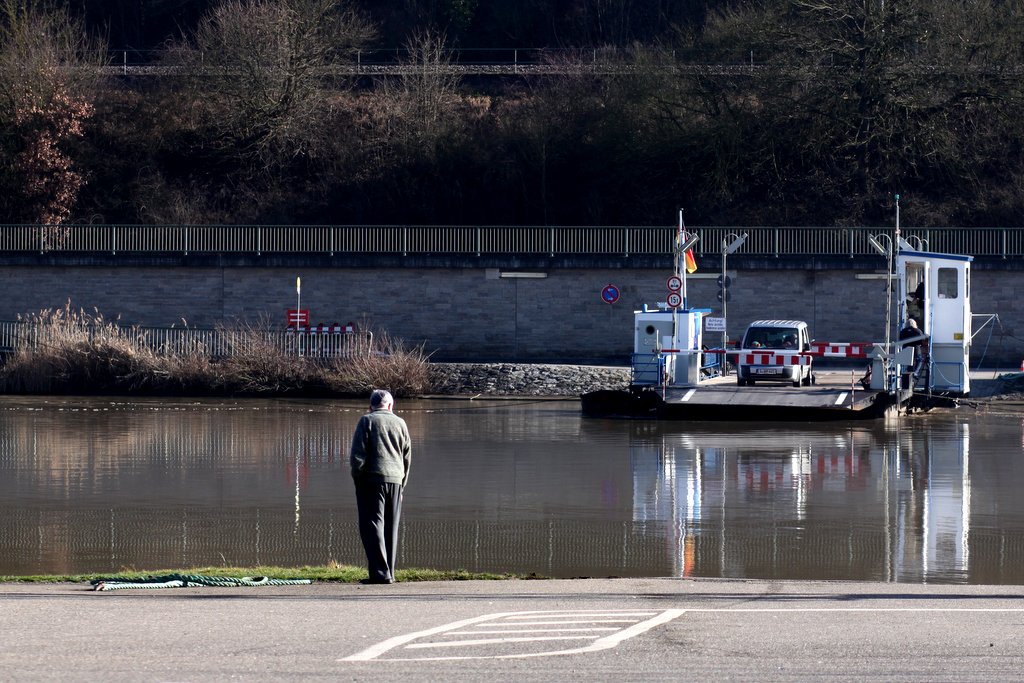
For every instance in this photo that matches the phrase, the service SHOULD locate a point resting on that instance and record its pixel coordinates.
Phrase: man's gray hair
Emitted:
(380, 398)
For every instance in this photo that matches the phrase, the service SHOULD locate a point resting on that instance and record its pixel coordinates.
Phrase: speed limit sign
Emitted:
(674, 300)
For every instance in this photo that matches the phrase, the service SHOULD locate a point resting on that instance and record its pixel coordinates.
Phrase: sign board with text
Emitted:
(714, 324)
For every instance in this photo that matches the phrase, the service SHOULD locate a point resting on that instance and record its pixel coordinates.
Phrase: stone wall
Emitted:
(477, 314)
(525, 379)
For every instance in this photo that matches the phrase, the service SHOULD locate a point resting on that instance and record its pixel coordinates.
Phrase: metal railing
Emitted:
(491, 239)
(326, 342)
(367, 58)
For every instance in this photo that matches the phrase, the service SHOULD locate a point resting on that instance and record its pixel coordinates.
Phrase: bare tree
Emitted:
(423, 98)
(49, 74)
(263, 66)
(853, 100)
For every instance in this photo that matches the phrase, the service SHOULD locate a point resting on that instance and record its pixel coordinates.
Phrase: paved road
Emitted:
(583, 630)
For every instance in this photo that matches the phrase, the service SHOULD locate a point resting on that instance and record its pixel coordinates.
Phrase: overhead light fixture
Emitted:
(690, 241)
(522, 275)
(736, 244)
(878, 246)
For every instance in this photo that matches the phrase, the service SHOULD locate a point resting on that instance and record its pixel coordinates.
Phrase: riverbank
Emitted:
(524, 379)
(331, 573)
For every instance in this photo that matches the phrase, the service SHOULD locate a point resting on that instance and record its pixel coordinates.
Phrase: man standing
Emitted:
(380, 459)
(912, 336)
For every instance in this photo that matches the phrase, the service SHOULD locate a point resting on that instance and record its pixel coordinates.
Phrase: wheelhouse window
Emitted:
(948, 283)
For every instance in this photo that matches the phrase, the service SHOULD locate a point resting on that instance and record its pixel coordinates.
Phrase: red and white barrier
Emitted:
(773, 358)
(787, 357)
(315, 330)
(841, 350)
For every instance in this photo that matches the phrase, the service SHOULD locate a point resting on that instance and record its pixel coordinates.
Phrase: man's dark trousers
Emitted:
(380, 506)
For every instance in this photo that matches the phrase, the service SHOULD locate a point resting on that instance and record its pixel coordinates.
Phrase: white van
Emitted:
(774, 335)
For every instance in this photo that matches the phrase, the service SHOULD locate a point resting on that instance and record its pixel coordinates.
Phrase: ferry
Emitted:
(675, 376)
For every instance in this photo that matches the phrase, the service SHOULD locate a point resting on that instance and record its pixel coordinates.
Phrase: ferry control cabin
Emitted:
(933, 290)
(667, 346)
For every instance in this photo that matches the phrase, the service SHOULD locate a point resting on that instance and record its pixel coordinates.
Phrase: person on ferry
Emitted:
(915, 304)
(919, 341)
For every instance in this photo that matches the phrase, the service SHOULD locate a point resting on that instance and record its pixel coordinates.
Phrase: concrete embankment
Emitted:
(525, 379)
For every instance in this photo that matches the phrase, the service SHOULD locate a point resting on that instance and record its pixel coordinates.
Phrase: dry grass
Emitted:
(379, 361)
(74, 352)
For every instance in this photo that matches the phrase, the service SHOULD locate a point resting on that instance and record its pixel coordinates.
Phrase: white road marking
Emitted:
(688, 394)
(842, 397)
(577, 615)
(529, 630)
(492, 641)
(528, 619)
(576, 621)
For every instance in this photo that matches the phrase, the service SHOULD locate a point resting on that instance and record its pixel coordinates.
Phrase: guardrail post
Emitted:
(552, 240)
(186, 240)
(113, 239)
(405, 240)
(478, 240)
(331, 228)
(778, 241)
(626, 240)
(259, 240)
(1003, 233)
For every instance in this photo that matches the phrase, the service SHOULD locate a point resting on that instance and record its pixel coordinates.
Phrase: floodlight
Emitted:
(736, 244)
(689, 242)
(878, 246)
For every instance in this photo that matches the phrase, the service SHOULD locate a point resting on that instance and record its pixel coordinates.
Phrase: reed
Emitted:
(75, 352)
(381, 361)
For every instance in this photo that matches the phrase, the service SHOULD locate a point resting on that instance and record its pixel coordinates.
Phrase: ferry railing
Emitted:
(762, 241)
(646, 369)
(328, 341)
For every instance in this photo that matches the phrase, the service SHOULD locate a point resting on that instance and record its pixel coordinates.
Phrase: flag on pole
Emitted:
(691, 263)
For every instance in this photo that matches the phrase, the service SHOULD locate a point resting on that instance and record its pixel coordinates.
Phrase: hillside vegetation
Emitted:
(841, 105)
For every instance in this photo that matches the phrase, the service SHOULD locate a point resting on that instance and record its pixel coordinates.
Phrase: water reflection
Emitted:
(826, 502)
(95, 485)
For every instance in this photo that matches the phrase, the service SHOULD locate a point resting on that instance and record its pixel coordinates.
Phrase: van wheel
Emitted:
(807, 381)
(796, 383)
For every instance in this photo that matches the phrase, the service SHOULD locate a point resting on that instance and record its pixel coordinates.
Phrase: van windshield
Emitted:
(771, 338)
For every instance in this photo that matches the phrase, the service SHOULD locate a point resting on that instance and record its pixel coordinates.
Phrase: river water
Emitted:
(96, 485)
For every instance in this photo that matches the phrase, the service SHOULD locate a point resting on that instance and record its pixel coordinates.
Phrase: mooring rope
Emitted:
(192, 580)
